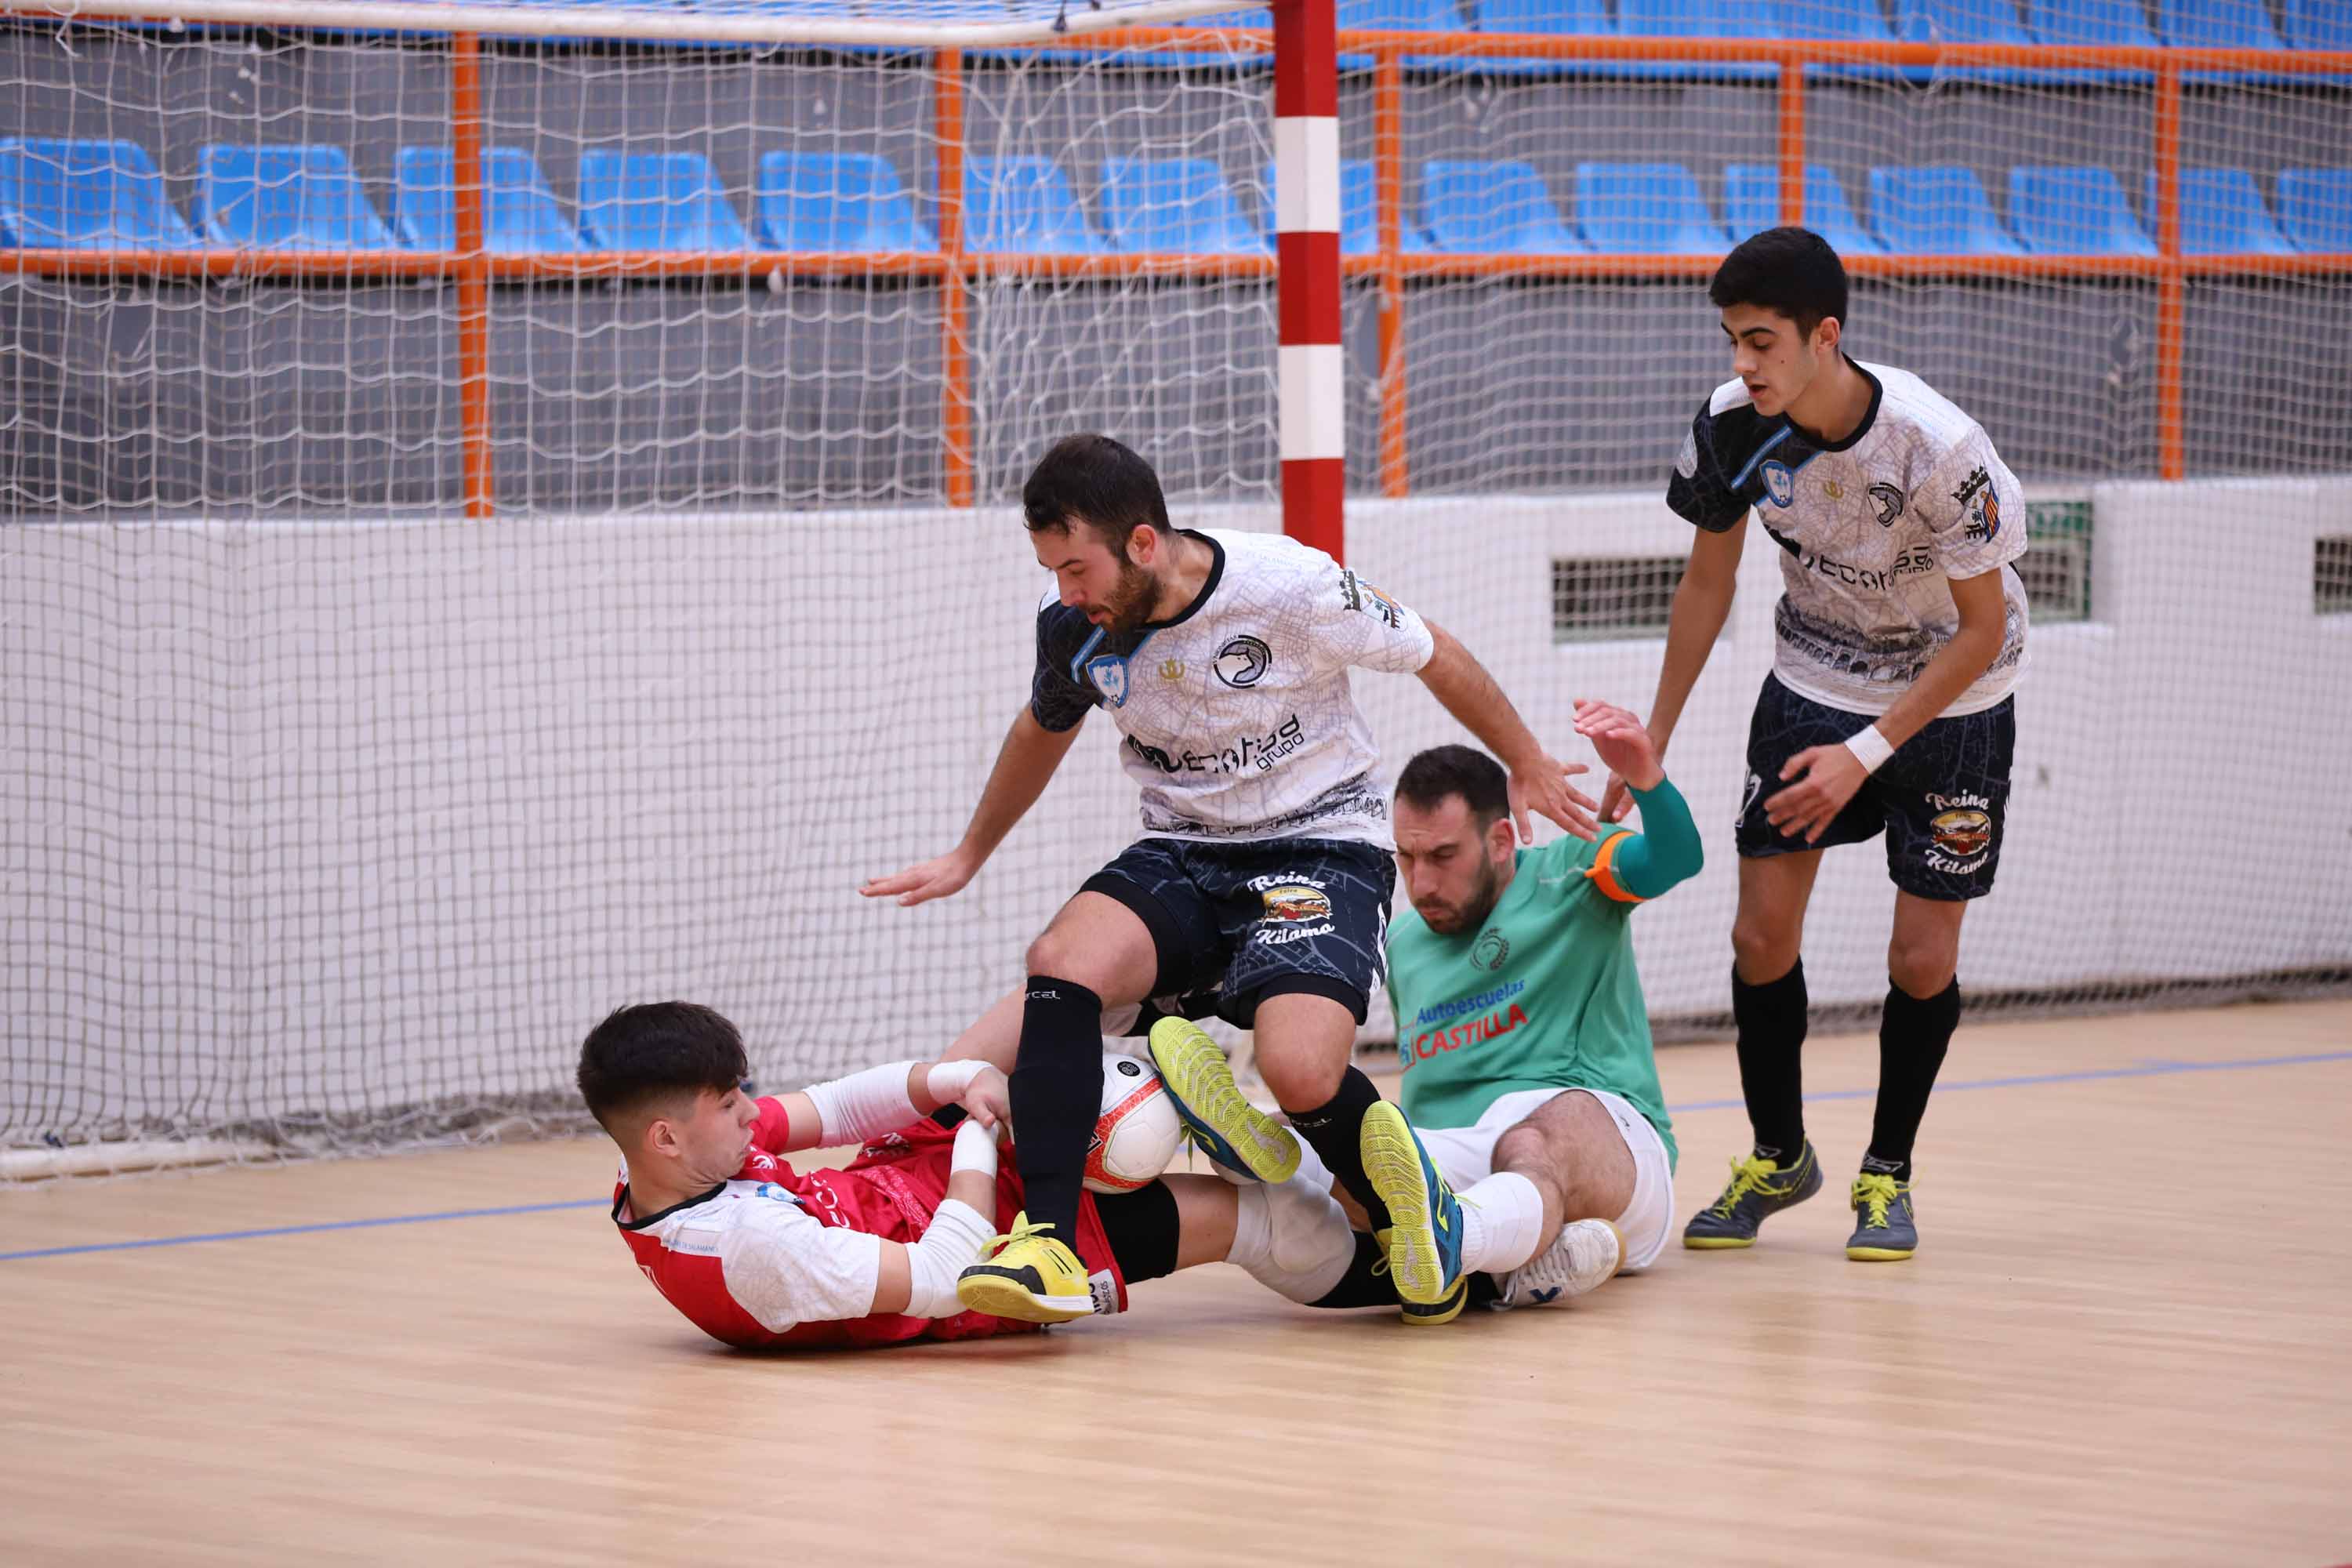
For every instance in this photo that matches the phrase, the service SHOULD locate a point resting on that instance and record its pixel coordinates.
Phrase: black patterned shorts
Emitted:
(1941, 800)
(1235, 923)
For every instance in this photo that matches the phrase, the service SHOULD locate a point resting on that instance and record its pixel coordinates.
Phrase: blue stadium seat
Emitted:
(655, 200)
(1695, 19)
(2316, 208)
(1835, 19)
(2221, 212)
(1405, 16)
(1653, 209)
(1491, 209)
(1939, 209)
(85, 195)
(1971, 22)
(1959, 22)
(285, 198)
(2072, 210)
(2123, 23)
(1751, 199)
(1019, 206)
(2317, 23)
(1864, 20)
(2219, 23)
(1399, 16)
(520, 213)
(1359, 211)
(1560, 18)
(837, 201)
(1176, 205)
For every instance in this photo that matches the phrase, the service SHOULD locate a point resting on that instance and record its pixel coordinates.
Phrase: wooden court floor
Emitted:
(2124, 1341)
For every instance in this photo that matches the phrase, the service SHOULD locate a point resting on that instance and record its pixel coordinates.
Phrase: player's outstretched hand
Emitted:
(931, 879)
(1827, 777)
(1539, 784)
(1623, 742)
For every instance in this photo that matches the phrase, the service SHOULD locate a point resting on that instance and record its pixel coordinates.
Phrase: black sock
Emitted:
(1912, 1034)
(1367, 1282)
(1336, 1131)
(1143, 1230)
(1056, 1095)
(1771, 1019)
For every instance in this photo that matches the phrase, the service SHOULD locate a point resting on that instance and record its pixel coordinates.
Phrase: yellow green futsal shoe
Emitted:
(1228, 1128)
(1758, 1187)
(1027, 1275)
(1425, 1219)
(1885, 1230)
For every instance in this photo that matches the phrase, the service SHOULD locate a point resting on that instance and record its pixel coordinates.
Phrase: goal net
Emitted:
(429, 619)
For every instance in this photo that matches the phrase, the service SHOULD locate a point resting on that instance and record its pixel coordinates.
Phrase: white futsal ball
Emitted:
(1137, 1134)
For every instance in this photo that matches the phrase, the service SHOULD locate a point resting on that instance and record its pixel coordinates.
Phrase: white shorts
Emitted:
(1466, 1156)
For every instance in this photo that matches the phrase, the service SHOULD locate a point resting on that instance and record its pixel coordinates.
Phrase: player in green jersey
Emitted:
(1529, 1085)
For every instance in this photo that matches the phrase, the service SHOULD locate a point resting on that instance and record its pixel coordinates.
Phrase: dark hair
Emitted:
(1465, 771)
(1093, 479)
(655, 1050)
(1791, 272)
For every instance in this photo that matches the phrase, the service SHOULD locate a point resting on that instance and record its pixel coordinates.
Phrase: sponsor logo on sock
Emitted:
(1103, 1290)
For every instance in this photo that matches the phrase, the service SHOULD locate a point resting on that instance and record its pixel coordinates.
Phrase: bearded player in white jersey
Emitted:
(1888, 711)
(1263, 872)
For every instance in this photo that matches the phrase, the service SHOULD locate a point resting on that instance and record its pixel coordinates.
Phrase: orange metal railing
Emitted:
(473, 270)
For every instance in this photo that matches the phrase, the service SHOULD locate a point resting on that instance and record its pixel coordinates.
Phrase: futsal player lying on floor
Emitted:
(757, 1254)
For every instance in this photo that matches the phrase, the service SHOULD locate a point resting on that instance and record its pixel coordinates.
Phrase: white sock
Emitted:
(1293, 1238)
(1502, 1222)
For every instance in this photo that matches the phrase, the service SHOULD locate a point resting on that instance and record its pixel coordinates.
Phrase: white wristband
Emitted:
(947, 1081)
(1869, 748)
(952, 1243)
(864, 1105)
(975, 1149)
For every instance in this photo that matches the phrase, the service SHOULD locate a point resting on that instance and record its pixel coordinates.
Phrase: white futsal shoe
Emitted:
(1583, 1255)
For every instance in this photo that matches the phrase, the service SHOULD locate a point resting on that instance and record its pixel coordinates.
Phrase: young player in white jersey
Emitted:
(758, 1255)
(1265, 868)
(1888, 711)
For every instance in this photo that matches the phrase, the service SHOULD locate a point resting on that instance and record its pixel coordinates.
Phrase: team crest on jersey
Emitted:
(1243, 662)
(1492, 948)
(1109, 672)
(1985, 526)
(1779, 483)
(1891, 502)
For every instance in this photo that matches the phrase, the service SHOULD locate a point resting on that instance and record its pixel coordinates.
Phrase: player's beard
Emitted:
(1129, 604)
(1473, 911)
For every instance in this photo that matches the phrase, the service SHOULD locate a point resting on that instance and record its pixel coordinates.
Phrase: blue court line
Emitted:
(306, 1229)
(2151, 1069)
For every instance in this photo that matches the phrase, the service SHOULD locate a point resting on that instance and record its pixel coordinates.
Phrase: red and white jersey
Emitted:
(774, 1256)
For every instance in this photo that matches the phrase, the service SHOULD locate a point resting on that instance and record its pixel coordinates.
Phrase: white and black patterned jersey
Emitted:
(1238, 718)
(1872, 529)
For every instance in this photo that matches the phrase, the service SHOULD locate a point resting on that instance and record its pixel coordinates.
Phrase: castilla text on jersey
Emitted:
(1487, 1027)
